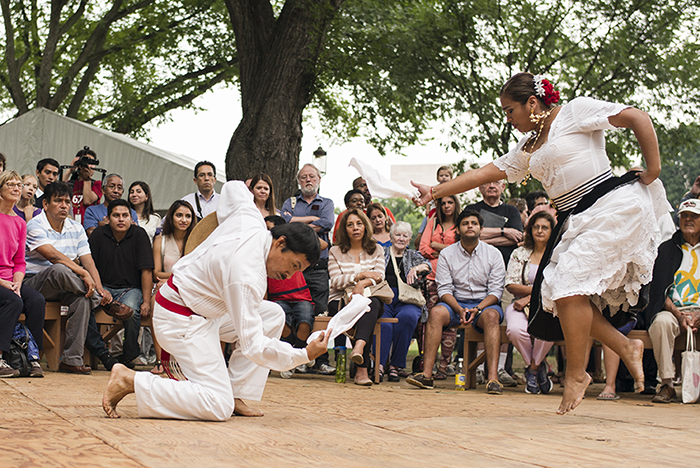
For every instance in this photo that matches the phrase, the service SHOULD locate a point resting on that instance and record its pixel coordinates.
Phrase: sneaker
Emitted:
(6, 371)
(301, 369)
(666, 394)
(531, 386)
(36, 370)
(494, 387)
(506, 379)
(420, 381)
(325, 369)
(450, 371)
(287, 374)
(311, 363)
(543, 381)
(480, 379)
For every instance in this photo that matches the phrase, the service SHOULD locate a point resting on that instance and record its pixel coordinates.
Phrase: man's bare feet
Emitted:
(121, 383)
(633, 360)
(574, 391)
(241, 409)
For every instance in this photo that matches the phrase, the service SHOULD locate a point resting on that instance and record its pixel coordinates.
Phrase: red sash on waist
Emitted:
(171, 306)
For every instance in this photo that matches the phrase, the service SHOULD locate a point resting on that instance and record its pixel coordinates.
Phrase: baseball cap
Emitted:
(692, 205)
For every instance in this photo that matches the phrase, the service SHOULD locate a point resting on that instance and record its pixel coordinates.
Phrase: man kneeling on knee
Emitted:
(470, 277)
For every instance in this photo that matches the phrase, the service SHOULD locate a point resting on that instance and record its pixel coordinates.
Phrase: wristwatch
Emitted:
(478, 309)
(502, 231)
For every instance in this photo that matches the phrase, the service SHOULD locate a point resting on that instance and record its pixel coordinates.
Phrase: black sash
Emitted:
(542, 324)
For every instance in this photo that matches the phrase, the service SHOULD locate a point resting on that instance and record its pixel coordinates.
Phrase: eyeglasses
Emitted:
(541, 228)
(14, 185)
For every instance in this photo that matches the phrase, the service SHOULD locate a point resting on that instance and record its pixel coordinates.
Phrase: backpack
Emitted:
(22, 346)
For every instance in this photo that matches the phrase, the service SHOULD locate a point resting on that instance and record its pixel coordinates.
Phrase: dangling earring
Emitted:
(533, 118)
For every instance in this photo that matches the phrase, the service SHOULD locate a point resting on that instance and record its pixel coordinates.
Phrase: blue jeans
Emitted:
(469, 304)
(396, 337)
(297, 313)
(133, 297)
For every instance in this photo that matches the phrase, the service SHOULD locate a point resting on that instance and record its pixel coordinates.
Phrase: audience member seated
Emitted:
(24, 208)
(16, 297)
(46, 173)
(470, 279)
(502, 225)
(673, 296)
(380, 224)
(353, 199)
(3, 162)
(140, 201)
(205, 199)
(168, 248)
(356, 262)
(444, 174)
(124, 258)
(86, 192)
(263, 194)
(440, 231)
(521, 205)
(96, 215)
(55, 244)
(396, 337)
(522, 269)
(536, 198)
(361, 185)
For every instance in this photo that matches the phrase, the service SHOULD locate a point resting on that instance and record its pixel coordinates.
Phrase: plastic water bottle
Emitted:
(340, 353)
(460, 380)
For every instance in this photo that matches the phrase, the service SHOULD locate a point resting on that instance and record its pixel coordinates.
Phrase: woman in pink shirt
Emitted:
(15, 298)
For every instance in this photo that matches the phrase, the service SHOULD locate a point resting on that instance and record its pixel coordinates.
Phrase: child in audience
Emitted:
(24, 208)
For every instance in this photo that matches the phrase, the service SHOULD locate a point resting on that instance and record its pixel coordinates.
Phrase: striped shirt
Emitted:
(71, 241)
(342, 268)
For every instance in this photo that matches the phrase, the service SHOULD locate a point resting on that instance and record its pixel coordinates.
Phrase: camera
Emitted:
(84, 159)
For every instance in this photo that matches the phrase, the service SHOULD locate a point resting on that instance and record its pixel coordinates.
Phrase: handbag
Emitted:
(381, 291)
(18, 355)
(690, 369)
(407, 294)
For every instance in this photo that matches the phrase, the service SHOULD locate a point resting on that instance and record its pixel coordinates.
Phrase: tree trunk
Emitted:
(278, 60)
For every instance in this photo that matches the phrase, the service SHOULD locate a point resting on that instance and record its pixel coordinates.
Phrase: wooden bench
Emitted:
(320, 323)
(472, 338)
(109, 326)
(54, 335)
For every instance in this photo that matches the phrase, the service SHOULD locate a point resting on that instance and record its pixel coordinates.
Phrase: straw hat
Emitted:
(201, 231)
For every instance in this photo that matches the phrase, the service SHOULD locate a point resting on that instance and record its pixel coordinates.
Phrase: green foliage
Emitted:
(407, 63)
(122, 63)
(681, 161)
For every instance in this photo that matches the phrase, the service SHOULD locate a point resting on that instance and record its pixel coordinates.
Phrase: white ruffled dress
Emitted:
(606, 252)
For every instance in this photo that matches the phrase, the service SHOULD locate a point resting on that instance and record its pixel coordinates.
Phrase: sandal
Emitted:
(403, 373)
(440, 375)
(158, 369)
(393, 375)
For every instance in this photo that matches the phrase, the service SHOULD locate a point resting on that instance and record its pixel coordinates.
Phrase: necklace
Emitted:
(532, 142)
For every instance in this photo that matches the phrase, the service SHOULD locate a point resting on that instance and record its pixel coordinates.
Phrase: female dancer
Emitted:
(606, 248)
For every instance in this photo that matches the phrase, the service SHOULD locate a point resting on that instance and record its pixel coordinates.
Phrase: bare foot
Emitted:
(241, 409)
(121, 383)
(574, 391)
(633, 360)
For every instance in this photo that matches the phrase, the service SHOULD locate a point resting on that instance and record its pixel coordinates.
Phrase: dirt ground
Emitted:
(312, 421)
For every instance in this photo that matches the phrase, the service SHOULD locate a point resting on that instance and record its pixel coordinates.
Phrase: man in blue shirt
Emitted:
(96, 215)
(311, 208)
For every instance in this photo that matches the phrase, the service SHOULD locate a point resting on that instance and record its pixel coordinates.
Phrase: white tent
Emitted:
(42, 133)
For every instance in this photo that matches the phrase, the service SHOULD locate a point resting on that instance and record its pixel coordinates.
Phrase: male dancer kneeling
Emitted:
(216, 294)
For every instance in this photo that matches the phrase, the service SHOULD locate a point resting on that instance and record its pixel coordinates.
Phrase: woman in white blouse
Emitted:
(140, 201)
(357, 262)
(607, 248)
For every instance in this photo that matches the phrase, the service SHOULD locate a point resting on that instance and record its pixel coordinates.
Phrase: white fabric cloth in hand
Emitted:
(379, 186)
(346, 317)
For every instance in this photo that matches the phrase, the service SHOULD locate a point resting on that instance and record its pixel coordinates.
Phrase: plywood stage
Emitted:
(311, 421)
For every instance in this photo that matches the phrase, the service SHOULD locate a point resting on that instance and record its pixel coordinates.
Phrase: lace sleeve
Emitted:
(591, 114)
(514, 163)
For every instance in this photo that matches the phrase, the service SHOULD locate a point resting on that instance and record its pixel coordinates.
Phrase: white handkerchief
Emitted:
(380, 186)
(345, 318)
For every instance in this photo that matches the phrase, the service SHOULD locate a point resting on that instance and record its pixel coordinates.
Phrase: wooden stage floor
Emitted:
(311, 421)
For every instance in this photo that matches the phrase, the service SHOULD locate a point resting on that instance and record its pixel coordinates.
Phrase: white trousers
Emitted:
(209, 392)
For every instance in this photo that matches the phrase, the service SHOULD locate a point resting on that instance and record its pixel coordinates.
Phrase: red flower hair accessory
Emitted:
(545, 90)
